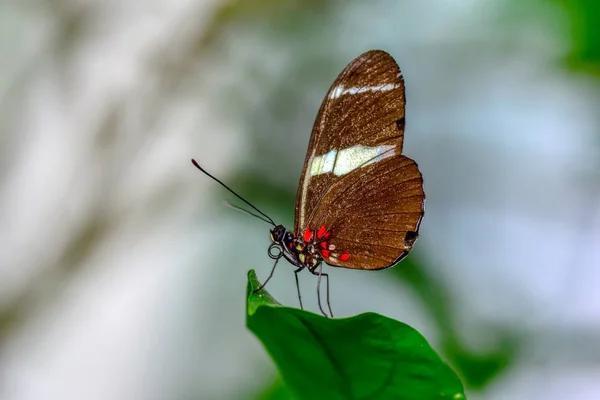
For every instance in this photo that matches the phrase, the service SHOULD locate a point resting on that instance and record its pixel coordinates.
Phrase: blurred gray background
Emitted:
(122, 274)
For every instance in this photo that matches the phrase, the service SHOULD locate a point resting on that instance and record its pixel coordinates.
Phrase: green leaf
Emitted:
(367, 356)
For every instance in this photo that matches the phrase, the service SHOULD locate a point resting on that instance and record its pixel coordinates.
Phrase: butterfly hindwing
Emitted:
(373, 217)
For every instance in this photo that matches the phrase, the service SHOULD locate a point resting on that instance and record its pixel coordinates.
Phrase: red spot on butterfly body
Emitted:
(307, 234)
(321, 232)
(323, 245)
(327, 234)
(325, 253)
(344, 256)
(291, 244)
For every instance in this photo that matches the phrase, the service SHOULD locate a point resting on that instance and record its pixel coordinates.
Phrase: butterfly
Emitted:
(360, 202)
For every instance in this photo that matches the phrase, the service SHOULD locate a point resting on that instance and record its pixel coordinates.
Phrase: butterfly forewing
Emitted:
(355, 183)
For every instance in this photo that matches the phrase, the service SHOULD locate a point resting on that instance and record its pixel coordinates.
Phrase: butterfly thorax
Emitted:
(301, 253)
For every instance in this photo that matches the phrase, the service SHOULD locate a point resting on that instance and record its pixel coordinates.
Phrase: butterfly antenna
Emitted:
(269, 220)
(237, 208)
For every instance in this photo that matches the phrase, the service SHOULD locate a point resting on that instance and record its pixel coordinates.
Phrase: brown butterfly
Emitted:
(360, 201)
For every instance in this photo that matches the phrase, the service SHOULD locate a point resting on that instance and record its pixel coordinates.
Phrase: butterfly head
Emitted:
(278, 234)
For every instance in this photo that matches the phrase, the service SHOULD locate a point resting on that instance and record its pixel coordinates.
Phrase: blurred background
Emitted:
(122, 273)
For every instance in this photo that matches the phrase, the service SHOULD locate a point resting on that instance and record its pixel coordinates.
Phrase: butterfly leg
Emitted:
(298, 286)
(270, 276)
(327, 287)
(320, 274)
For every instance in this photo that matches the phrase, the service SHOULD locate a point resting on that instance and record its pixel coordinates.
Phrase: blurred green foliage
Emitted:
(277, 391)
(367, 356)
(584, 25)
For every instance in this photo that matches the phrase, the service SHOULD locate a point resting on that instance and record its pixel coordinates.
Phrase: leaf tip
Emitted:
(255, 297)
(252, 281)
